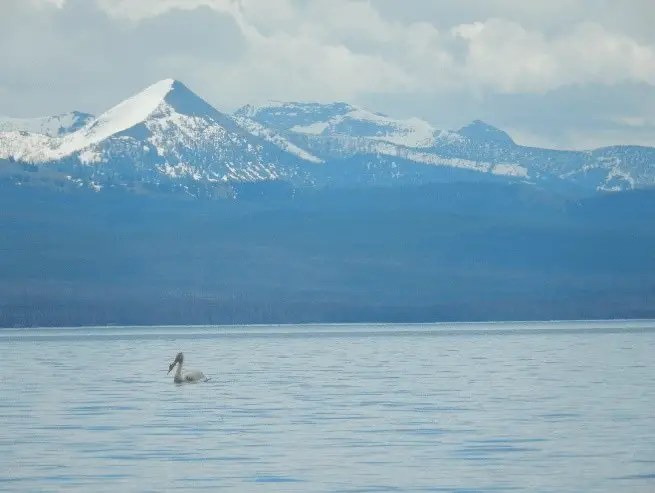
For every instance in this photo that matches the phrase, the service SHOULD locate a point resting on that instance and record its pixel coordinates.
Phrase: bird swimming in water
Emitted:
(191, 376)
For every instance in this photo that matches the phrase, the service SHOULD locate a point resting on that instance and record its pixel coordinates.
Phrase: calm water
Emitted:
(560, 407)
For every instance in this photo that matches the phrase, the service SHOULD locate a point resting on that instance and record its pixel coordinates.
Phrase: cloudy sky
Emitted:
(558, 73)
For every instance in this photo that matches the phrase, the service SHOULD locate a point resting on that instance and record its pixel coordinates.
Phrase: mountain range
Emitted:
(167, 139)
(341, 215)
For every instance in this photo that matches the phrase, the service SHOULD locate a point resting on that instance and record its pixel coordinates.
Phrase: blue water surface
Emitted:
(527, 407)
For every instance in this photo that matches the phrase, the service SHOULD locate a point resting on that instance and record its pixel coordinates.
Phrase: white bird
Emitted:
(191, 376)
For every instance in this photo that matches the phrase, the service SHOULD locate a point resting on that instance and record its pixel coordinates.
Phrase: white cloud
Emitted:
(333, 49)
(293, 53)
(145, 9)
(282, 68)
(504, 56)
(635, 121)
(44, 3)
(351, 47)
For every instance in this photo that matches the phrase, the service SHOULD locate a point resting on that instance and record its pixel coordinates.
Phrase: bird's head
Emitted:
(178, 359)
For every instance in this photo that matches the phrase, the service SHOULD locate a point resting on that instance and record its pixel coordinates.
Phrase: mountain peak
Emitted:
(479, 130)
(130, 112)
(184, 101)
(168, 95)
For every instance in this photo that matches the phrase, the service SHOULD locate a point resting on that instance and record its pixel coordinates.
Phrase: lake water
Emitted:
(548, 407)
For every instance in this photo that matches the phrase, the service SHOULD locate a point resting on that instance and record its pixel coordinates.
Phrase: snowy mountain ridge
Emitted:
(345, 119)
(167, 136)
(51, 126)
(340, 130)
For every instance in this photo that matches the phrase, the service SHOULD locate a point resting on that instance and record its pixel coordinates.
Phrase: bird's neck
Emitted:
(178, 372)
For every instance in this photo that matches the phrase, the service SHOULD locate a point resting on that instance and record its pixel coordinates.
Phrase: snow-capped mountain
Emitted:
(168, 138)
(51, 126)
(342, 119)
(387, 148)
(163, 133)
(373, 148)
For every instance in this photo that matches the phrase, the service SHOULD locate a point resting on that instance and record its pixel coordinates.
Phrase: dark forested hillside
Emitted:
(437, 252)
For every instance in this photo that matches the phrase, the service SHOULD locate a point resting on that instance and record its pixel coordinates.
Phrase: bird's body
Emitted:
(190, 376)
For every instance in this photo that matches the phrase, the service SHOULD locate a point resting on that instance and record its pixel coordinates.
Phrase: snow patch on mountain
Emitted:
(312, 129)
(617, 179)
(418, 156)
(27, 147)
(412, 132)
(509, 169)
(90, 156)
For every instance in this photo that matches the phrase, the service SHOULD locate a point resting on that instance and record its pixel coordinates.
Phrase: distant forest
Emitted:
(442, 252)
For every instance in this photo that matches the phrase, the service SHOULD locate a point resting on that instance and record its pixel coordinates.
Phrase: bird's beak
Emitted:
(170, 367)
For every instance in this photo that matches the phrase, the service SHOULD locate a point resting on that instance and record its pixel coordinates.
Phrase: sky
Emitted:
(573, 74)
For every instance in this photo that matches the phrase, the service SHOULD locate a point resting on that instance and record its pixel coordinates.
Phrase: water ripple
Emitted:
(491, 408)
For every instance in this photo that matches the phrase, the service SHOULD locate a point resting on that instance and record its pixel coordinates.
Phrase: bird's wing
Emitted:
(194, 375)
